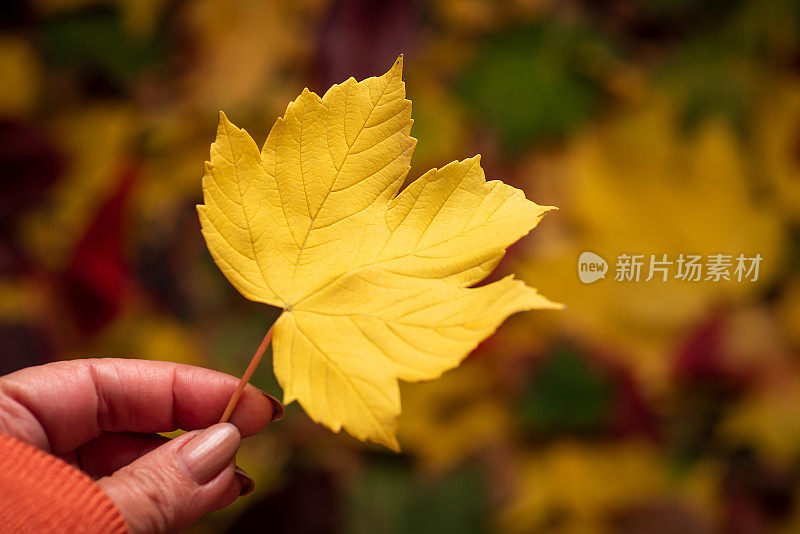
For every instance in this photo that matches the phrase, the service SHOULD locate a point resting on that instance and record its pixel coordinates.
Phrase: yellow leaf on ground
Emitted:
(374, 284)
(21, 75)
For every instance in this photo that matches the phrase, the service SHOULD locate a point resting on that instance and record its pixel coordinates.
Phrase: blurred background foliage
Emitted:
(657, 126)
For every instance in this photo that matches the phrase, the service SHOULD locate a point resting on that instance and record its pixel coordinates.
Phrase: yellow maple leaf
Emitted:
(573, 481)
(374, 284)
(638, 184)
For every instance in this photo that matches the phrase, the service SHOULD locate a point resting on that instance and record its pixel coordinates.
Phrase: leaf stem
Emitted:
(246, 376)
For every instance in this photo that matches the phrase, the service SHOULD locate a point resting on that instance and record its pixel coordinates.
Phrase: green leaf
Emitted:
(389, 498)
(566, 395)
(532, 84)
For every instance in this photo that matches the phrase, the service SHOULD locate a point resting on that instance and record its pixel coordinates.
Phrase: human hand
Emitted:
(101, 415)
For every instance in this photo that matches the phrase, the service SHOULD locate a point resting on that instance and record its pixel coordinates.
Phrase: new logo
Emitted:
(591, 267)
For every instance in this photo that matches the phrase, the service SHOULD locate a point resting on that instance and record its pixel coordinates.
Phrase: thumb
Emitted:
(172, 486)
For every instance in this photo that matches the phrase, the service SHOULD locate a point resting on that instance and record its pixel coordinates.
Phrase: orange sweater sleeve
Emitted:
(41, 493)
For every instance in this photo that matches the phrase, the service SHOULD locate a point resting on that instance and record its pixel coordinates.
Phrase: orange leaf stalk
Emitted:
(246, 376)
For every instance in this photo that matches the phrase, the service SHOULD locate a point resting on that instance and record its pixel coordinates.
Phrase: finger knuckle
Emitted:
(157, 492)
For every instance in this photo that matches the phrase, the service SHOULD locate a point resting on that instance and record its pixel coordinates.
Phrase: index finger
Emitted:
(61, 405)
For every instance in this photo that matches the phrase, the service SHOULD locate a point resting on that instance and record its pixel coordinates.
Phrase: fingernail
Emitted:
(247, 482)
(210, 451)
(277, 407)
